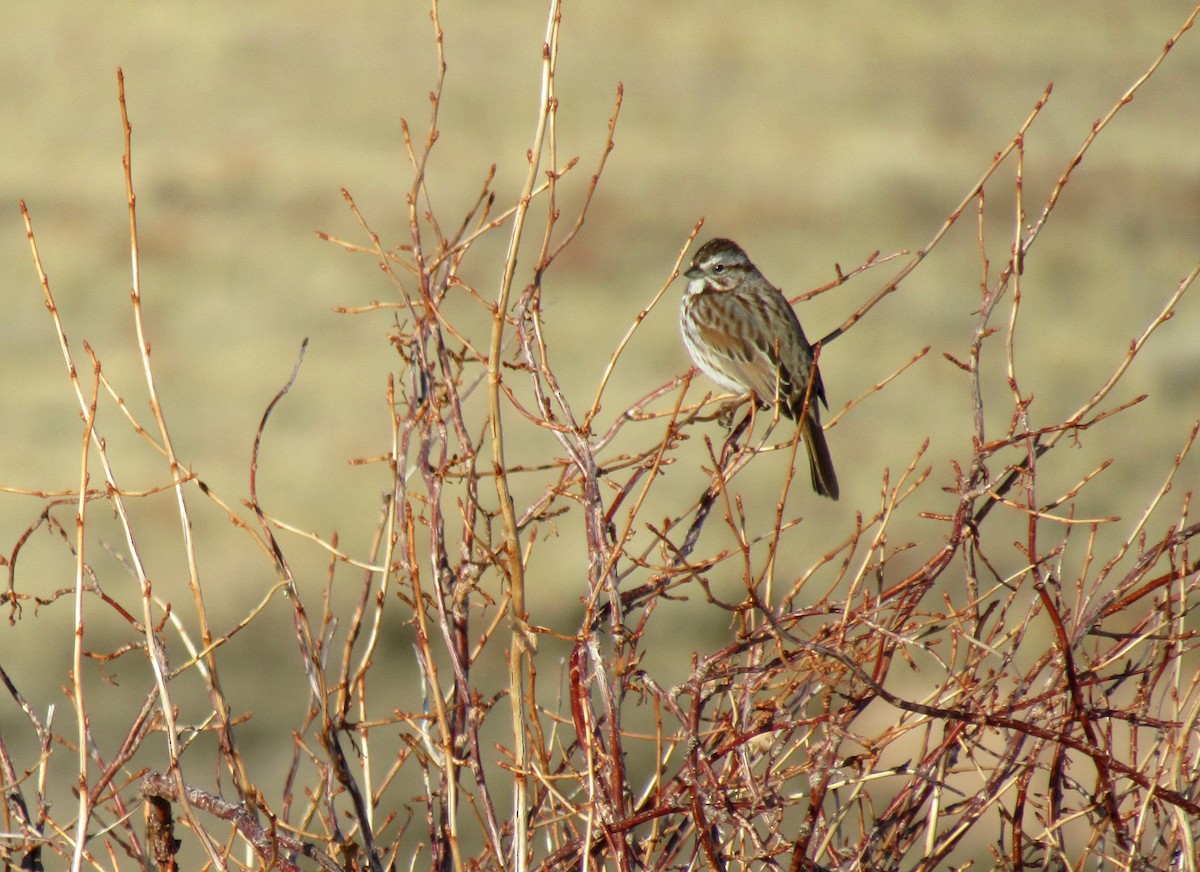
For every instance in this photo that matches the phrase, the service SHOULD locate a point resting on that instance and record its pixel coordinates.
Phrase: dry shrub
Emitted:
(802, 741)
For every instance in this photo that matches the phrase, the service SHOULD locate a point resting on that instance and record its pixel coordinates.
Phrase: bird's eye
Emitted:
(719, 268)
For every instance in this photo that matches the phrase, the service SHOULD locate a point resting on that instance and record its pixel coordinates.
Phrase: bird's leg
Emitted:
(731, 445)
(729, 409)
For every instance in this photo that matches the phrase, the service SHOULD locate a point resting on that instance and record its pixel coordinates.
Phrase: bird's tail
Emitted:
(820, 464)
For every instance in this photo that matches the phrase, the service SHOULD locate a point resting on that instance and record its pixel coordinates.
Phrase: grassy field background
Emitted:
(813, 134)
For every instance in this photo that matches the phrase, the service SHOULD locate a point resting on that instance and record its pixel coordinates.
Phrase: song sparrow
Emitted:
(742, 332)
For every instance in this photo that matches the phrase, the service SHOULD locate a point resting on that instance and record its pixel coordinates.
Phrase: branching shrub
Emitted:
(880, 703)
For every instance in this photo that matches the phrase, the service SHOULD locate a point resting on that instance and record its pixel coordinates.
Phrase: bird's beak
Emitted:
(694, 273)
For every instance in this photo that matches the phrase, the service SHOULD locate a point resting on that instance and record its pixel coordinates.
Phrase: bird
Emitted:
(744, 335)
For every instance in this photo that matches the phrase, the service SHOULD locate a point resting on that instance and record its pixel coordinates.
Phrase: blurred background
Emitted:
(814, 134)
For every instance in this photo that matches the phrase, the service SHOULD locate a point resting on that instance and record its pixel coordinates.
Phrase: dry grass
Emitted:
(972, 659)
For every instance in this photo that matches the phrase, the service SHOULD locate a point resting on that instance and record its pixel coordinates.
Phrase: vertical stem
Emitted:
(153, 649)
(81, 717)
(522, 640)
